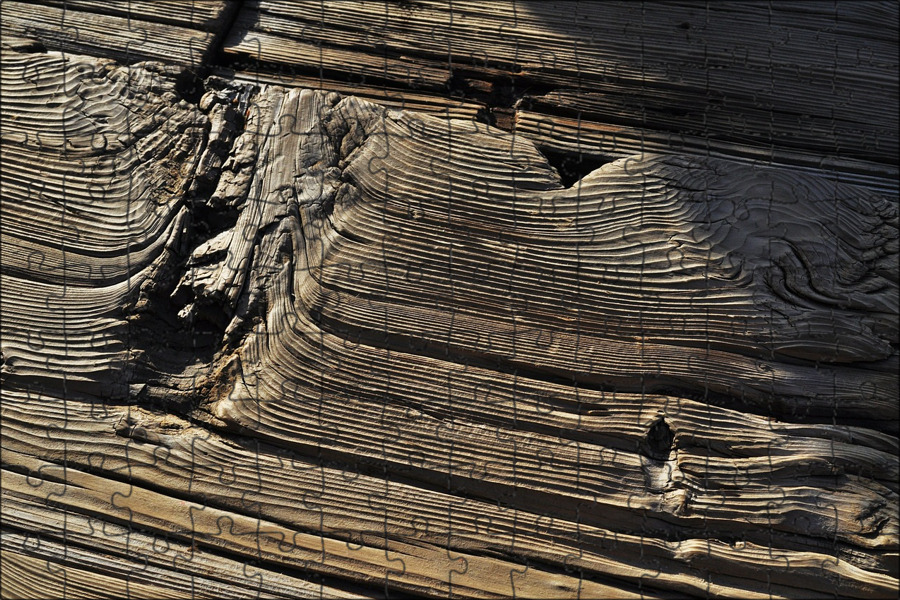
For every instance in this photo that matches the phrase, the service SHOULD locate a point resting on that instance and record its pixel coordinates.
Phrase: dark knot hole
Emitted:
(657, 444)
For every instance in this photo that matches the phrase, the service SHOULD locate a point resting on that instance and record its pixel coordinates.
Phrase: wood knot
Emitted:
(657, 444)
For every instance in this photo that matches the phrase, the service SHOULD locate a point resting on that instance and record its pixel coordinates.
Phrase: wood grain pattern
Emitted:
(92, 207)
(277, 341)
(173, 32)
(755, 76)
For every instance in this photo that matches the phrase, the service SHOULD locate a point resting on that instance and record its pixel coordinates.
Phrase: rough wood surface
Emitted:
(182, 33)
(277, 341)
(746, 79)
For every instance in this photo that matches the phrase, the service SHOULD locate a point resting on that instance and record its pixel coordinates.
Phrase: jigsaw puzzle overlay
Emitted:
(525, 299)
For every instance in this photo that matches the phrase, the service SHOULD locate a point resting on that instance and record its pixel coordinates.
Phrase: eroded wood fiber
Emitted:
(373, 351)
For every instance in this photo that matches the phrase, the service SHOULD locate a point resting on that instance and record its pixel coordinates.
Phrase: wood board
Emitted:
(277, 340)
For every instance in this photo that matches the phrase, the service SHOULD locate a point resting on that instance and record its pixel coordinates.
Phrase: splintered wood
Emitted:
(283, 342)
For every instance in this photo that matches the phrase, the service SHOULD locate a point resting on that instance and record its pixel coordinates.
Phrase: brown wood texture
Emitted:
(487, 300)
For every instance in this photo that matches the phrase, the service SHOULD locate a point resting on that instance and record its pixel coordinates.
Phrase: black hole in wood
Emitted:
(189, 86)
(684, 25)
(572, 166)
(658, 442)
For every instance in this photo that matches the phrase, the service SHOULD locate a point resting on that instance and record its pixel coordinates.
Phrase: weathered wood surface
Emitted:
(183, 33)
(268, 341)
(788, 82)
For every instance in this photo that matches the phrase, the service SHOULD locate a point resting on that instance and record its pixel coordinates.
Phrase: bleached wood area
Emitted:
(479, 300)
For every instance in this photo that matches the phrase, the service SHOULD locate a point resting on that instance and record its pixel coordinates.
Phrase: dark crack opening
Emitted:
(571, 166)
(657, 444)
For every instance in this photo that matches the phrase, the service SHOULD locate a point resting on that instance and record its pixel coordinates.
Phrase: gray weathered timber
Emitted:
(276, 341)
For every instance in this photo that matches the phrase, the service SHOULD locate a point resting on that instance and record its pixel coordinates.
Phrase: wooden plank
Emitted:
(697, 66)
(125, 39)
(55, 570)
(291, 489)
(484, 577)
(204, 15)
(67, 541)
(282, 49)
(392, 97)
(27, 576)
